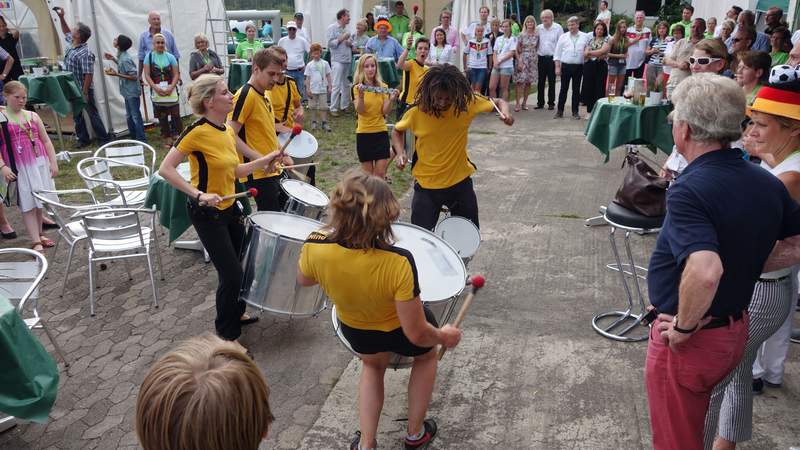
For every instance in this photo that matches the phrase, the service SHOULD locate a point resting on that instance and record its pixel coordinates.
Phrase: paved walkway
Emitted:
(530, 373)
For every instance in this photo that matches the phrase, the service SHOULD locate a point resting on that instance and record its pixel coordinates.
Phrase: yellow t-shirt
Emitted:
(363, 284)
(440, 157)
(254, 111)
(411, 79)
(212, 158)
(373, 120)
(283, 95)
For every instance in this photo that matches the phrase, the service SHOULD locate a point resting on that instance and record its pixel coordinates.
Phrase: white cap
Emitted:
(291, 24)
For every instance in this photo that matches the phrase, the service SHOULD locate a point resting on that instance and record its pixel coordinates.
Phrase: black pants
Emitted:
(270, 195)
(459, 198)
(547, 72)
(570, 73)
(222, 235)
(94, 119)
(594, 82)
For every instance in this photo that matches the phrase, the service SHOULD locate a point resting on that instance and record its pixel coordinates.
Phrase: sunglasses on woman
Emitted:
(702, 61)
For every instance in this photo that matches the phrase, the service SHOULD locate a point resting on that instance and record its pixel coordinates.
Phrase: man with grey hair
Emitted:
(80, 61)
(549, 33)
(146, 39)
(341, 49)
(716, 240)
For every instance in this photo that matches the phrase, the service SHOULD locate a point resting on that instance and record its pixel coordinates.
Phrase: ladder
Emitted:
(220, 31)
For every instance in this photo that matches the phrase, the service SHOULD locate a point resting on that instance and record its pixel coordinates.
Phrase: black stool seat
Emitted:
(631, 219)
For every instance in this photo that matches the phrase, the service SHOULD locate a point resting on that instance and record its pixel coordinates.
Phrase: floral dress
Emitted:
(528, 59)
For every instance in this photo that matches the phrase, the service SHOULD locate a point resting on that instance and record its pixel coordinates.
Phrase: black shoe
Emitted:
(771, 385)
(758, 386)
(10, 235)
(50, 226)
(551, 107)
(248, 321)
(576, 117)
(356, 440)
(427, 437)
(539, 107)
(559, 115)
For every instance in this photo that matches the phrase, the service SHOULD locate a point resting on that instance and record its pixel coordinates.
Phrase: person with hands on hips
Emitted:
(212, 149)
(716, 241)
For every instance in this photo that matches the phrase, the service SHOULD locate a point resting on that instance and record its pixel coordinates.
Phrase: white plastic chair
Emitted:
(70, 227)
(125, 152)
(96, 173)
(19, 281)
(119, 233)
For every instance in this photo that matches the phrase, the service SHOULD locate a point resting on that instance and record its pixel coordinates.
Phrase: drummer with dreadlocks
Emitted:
(443, 109)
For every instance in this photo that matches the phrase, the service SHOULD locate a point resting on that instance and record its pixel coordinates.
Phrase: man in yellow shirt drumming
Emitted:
(440, 117)
(253, 121)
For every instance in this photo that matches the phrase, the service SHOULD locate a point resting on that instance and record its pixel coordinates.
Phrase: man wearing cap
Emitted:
(302, 32)
(341, 50)
(399, 21)
(383, 45)
(296, 47)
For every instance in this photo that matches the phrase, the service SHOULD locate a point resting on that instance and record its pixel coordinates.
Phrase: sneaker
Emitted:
(314, 125)
(559, 115)
(551, 107)
(538, 107)
(356, 440)
(326, 127)
(576, 117)
(335, 113)
(772, 385)
(758, 386)
(427, 437)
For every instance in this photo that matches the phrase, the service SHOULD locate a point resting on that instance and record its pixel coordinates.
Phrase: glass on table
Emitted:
(612, 90)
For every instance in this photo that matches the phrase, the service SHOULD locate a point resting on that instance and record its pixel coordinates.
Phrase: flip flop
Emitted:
(524, 107)
(47, 242)
(516, 109)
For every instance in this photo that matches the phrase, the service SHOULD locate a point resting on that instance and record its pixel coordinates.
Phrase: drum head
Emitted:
(440, 270)
(287, 225)
(305, 192)
(304, 145)
(461, 233)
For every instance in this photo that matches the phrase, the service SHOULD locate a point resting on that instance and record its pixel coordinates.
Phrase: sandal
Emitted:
(516, 109)
(47, 242)
(37, 247)
(524, 107)
(247, 319)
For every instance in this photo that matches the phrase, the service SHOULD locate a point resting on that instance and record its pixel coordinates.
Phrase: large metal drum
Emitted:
(302, 149)
(274, 241)
(441, 272)
(304, 199)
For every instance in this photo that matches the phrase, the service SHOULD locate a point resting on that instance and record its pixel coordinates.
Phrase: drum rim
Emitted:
(289, 150)
(299, 200)
(461, 219)
(281, 213)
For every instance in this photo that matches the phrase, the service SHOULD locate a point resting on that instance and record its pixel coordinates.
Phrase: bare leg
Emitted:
(493, 81)
(620, 81)
(518, 88)
(32, 224)
(380, 167)
(370, 396)
(323, 115)
(368, 167)
(504, 80)
(420, 389)
(5, 227)
(527, 93)
(721, 443)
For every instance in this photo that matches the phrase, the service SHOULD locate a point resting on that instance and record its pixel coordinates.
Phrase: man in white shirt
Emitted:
(468, 32)
(296, 48)
(302, 32)
(549, 33)
(568, 58)
(639, 37)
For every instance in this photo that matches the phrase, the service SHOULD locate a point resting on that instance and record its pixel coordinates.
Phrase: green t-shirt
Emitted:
(399, 26)
(241, 48)
(412, 54)
(779, 58)
(515, 29)
(687, 27)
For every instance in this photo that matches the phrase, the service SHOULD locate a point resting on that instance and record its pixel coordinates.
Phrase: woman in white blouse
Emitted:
(441, 52)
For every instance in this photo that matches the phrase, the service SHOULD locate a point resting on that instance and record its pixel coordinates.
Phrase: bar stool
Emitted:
(625, 325)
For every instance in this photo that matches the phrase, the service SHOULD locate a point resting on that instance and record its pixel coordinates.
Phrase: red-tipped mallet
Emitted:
(415, 8)
(296, 130)
(477, 282)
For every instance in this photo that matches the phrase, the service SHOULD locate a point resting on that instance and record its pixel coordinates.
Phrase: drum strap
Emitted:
(288, 99)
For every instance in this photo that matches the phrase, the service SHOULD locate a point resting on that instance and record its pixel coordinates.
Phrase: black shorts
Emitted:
(372, 146)
(369, 342)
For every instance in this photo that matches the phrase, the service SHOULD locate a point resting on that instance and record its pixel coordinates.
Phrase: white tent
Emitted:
(318, 15)
(108, 19)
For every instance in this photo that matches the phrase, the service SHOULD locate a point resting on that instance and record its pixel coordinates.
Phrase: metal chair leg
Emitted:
(59, 352)
(66, 269)
(158, 251)
(152, 280)
(127, 268)
(91, 286)
(634, 268)
(55, 247)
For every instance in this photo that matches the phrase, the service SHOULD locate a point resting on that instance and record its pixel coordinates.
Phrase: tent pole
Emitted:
(99, 54)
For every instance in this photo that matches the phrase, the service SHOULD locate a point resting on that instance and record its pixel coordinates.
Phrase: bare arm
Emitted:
(87, 83)
(398, 145)
(699, 282)
(64, 27)
(48, 144)
(786, 253)
(147, 79)
(7, 67)
(402, 62)
(419, 331)
(359, 101)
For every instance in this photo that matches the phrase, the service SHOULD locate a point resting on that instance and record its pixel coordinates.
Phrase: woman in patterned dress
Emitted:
(526, 72)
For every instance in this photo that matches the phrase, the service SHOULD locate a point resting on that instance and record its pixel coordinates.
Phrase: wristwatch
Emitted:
(682, 330)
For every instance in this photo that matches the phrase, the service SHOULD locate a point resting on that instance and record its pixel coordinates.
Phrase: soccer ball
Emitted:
(784, 74)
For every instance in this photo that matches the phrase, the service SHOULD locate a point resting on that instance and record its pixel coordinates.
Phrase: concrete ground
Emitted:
(530, 372)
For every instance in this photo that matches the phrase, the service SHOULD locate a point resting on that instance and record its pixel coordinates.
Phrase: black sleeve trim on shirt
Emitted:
(407, 254)
(202, 171)
(406, 84)
(289, 81)
(237, 108)
(197, 123)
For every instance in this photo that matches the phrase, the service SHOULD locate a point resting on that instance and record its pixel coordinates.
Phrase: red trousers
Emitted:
(679, 383)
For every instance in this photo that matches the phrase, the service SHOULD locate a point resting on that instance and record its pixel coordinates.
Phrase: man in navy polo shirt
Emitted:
(724, 216)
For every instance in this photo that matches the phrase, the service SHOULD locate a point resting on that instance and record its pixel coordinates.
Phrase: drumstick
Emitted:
(296, 129)
(477, 282)
(252, 192)
(294, 166)
(502, 116)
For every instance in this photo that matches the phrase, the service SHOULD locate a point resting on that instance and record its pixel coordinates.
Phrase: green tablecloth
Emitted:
(619, 123)
(238, 75)
(387, 68)
(171, 203)
(28, 374)
(57, 89)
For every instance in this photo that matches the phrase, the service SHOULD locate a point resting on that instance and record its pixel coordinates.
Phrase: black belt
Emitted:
(546, 56)
(719, 322)
(774, 280)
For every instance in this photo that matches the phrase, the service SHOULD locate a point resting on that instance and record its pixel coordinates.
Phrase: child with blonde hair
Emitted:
(319, 85)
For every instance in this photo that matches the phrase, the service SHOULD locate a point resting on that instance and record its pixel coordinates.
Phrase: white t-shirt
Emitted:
(503, 46)
(295, 51)
(469, 30)
(603, 16)
(438, 55)
(636, 51)
(796, 37)
(548, 38)
(478, 53)
(569, 49)
(316, 76)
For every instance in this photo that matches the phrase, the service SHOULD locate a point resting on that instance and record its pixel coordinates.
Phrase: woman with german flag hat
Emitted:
(774, 137)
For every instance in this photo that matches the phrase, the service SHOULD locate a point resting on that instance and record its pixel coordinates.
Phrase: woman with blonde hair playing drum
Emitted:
(372, 105)
(375, 288)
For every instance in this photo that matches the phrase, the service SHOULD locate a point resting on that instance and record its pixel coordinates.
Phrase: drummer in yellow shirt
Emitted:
(372, 137)
(413, 70)
(379, 313)
(253, 123)
(439, 119)
(285, 97)
(214, 164)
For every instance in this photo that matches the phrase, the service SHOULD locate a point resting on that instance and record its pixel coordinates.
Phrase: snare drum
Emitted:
(302, 149)
(441, 275)
(304, 199)
(462, 234)
(274, 241)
